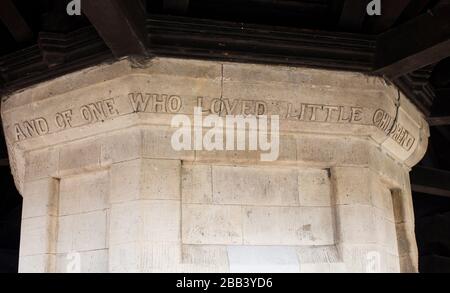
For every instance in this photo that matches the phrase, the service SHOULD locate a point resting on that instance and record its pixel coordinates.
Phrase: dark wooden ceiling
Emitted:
(39, 40)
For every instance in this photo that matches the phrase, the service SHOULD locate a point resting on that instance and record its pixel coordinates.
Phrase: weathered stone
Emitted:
(145, 220)
(314, 188)
(145, 179)
(38, 236)
(42, 164)
(95, 261)
(41, 263)
(254, 186)
(40, 198)
(101, 180)
(82, 232)
(84, 193)
(196, 184)
(211, 224)
(80, 158)
(262, 259)
(288, 226)
(352, 231)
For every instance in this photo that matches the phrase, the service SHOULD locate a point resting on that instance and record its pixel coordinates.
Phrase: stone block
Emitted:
(145, 257)
(229, 157)
(386, 233)
(145, 220)
(406, 239)
(356, 224)
(263, 259)
(332, 151)
(84, 193)
(82, 232)
(211, 224)
(161, 179)
(255, 186)
(38, 236)
(196, 184)
(205, 255)
(382, 199)
(352, 185)
(409, 263)
(288, 226)
(318, 254)
(125, 181)
(402, 206)
(77, 158)
(157, 145)
(41, 164)
(40, 198)
(95, 261)
(368, 259)
(314, 187)
(146, 179)
(121, 146)
(36, 264)
(288, 149)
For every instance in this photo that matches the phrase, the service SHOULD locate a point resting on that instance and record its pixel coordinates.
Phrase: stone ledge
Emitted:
(114, 96)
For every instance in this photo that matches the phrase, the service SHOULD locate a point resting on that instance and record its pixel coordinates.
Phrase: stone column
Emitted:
(105, 190)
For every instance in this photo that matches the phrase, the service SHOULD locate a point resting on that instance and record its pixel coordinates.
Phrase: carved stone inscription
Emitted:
(391, 127)
(98, 111)
(104, 109)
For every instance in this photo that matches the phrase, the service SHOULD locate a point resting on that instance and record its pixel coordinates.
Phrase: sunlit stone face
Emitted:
(105, 190)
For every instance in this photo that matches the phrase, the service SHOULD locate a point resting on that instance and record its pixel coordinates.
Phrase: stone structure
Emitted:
(104, 189)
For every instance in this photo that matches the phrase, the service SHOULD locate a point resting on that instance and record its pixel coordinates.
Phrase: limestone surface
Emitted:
(105, 191)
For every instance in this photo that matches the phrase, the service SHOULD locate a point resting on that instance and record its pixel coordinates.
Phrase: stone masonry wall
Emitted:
(105, 191)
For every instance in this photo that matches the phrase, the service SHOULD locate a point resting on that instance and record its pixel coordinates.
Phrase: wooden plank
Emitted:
(177, 6)
(439, 121)
(416, 44)
(121, 24)
(240, 42)
(430, 181)
(15, 23)
(415, 8)
(353, 15)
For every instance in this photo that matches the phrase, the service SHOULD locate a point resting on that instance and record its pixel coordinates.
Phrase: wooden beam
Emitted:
(415, 44)
(353, 15)
(439, 121)
(440, 111)
(441, 75)
(4, 162)
(176, 6)
(15, 23)
(391, 11)
(415, 8)
(240, 42)
(430, 181)
(121, 24)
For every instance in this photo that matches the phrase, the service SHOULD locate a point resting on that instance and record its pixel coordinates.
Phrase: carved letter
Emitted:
(356, 114)
(20, 135)
(174, 104)
(138, 102)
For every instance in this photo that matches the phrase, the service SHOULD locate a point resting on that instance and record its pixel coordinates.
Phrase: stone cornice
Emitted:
(308, 101)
